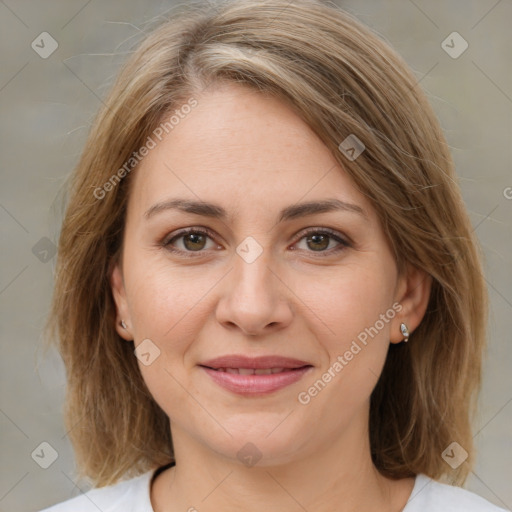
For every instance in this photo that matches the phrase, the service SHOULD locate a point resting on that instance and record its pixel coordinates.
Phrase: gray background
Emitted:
(47, 106)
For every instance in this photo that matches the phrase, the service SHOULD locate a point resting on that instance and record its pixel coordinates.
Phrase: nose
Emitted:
(255, 298)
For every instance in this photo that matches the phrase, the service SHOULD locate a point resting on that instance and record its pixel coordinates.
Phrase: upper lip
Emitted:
(261, 362)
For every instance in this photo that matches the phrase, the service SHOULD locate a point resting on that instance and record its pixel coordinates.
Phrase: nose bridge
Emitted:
(254, 297)
(254, 278)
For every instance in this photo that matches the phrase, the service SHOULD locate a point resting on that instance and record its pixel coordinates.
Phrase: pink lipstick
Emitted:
(255, 375)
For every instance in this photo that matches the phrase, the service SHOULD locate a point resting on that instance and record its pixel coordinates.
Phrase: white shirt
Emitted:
(134, 496)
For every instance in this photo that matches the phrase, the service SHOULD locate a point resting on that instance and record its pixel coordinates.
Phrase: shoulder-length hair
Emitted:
(343, 80)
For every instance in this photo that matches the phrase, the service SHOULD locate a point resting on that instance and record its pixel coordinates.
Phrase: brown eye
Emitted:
(194, 241)
(318, 242)
(189, 241)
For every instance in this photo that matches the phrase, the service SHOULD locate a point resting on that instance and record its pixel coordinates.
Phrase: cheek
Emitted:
(357, 308)
(349, 301)
(169, 306)
(164, 301)
(166, 308)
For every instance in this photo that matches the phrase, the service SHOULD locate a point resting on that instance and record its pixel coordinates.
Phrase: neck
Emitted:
(335, 476)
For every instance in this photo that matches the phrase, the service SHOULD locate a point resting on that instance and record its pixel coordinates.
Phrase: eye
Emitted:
(192, 240)
(319, 240)
(195, 240)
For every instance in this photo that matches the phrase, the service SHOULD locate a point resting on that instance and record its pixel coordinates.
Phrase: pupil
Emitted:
(195, 238)
(315, 239)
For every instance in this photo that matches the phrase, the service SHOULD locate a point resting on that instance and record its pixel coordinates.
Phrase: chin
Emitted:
(255, 441)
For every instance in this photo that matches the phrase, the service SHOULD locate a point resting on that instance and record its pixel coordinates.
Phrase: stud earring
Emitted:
(123, 325)
(405, 332)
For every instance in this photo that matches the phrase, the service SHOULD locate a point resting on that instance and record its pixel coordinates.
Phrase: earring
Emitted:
(405, 332)
(123, 325)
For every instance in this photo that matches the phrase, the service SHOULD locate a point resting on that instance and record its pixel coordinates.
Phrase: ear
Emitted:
(412, 293)
(122, 310)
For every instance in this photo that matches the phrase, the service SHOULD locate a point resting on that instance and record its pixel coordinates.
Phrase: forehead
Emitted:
(242, 147)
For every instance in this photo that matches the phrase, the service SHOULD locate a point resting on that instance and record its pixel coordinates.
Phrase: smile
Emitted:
(255, 381)
(252, 371)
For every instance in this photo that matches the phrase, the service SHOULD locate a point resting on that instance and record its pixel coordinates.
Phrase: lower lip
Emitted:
(256, 384)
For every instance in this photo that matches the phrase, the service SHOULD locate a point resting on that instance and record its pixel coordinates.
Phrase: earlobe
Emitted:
(413, 294)
(119, 293)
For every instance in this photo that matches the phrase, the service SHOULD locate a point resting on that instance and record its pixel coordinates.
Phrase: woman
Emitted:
(268, 291)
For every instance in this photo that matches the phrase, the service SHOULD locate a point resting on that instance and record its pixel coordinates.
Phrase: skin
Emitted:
(252, 155)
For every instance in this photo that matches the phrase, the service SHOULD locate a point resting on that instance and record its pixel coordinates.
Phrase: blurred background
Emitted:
(59, 58)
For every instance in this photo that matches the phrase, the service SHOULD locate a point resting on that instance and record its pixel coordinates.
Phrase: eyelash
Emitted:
(166, 242)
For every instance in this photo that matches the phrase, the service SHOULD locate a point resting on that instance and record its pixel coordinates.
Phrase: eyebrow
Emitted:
(290, 212)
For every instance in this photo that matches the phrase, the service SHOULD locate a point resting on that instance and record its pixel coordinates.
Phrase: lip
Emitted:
(261, 362)
(292, 371)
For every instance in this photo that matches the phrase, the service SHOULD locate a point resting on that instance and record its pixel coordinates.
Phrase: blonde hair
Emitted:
(342, 80)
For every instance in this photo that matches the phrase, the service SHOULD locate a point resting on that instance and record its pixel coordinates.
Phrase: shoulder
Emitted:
(124, 496)
(431, 496)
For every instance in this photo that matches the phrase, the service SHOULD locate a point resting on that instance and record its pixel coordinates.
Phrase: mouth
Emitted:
(254, 371)
(255, 376)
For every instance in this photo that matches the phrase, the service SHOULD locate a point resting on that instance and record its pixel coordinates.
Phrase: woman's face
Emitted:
(260, 275)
